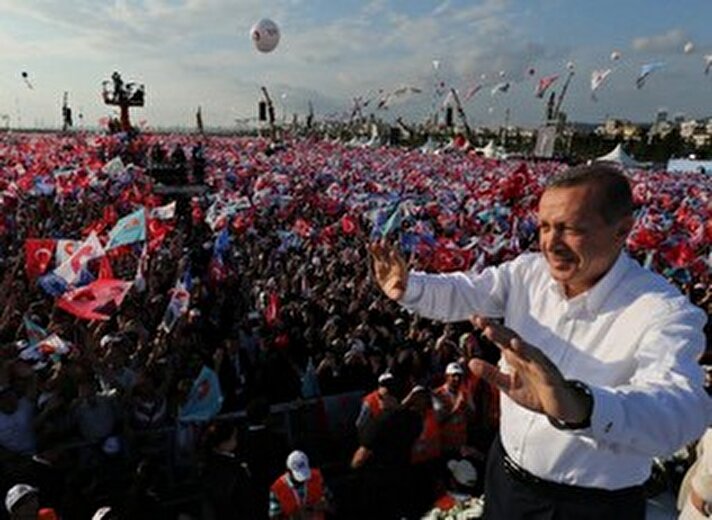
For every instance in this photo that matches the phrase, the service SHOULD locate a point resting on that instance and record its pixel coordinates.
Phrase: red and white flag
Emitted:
(38, 255)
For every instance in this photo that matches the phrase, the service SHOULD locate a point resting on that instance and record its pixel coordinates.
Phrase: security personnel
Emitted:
(300, 492)
(453, 409)
(374, 403)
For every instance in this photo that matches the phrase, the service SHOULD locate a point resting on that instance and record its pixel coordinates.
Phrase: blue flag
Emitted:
(130, 229)
(205, 398)
(52, 284)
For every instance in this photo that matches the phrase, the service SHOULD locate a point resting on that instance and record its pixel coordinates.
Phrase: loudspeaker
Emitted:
(448, 117)
(262, 110)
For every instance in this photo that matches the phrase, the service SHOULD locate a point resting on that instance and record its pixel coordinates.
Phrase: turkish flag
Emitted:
(349, 225)
(680, 255)
(447, 260)
(38, 255)
(96, 301)
(157, 231)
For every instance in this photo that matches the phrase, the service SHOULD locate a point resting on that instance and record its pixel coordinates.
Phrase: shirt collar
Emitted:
(593, 299)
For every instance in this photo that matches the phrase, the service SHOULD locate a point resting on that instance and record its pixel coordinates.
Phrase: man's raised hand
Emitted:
(533, 381)
(389, 268)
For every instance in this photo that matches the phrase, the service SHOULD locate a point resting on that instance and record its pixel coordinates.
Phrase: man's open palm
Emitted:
(390, 269)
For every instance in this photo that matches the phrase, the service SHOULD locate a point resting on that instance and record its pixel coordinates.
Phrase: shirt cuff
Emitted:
(413, 291)
(607, 416)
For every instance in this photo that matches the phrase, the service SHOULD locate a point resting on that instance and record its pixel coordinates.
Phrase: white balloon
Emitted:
(615, 56)
(689, 47)
(502, 73)
(265, 35)
(483, 76)
(570, 65)
(436, 64)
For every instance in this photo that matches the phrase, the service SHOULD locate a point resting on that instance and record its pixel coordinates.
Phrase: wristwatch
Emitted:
(586, 391)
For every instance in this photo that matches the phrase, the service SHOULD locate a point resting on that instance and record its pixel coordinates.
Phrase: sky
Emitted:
(192, 53)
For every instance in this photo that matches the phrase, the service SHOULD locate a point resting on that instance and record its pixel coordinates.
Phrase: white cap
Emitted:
(16, 494)
(454, 369)
(298, 464)
(463, 472)
(107, 339)
(101, 513)
(385, 378)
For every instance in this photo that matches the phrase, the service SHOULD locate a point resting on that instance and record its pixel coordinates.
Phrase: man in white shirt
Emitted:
(599, 368)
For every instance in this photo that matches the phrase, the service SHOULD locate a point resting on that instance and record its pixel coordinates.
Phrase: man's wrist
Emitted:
(584, 401)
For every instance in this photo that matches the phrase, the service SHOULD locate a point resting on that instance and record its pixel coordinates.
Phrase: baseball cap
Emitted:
(463, 472)
(298, 464)
(454, 369)
(101, 513)
(385, 379)
(16, 494)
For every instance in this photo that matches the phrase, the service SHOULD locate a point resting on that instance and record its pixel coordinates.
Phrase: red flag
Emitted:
(105, 271)
(272, 309)
(96, 301)
(680, 255)
(449, 259)
(157, 231)
(110, 217)
(349, 225)
(38, 255)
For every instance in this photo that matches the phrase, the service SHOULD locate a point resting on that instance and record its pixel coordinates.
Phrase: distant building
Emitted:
(620, 129)
(698, 132)
(661, 116)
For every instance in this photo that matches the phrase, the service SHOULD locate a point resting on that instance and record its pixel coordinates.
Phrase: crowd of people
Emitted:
(272, 260)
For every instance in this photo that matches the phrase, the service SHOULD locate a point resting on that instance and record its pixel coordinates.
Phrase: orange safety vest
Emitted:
(427, 445)
(289, 499)
(374, 403)
(453, 431)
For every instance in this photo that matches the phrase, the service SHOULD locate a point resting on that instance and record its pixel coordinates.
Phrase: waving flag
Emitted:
(645, 71)
(35, 333)
(598, 77)
(445, 260)
(53, 345)
(708, 64)
(130, 229)
(500, 88)
(205, 398)
(393, 221)
(166, 212)
(349, 225)
(544, 84)
(71, 270)
(474, 89)
(96, 301)
(38, 256)
(64, 250)
(179, 302)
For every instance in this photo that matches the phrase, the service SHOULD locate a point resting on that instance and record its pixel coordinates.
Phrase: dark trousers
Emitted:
(509, 496)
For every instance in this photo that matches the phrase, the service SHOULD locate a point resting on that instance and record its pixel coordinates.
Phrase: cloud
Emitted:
(671, 41)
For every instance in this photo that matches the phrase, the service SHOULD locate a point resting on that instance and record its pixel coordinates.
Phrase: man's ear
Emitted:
(624, 227)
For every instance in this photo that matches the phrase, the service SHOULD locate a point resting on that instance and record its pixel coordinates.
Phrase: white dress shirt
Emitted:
(632, 338)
